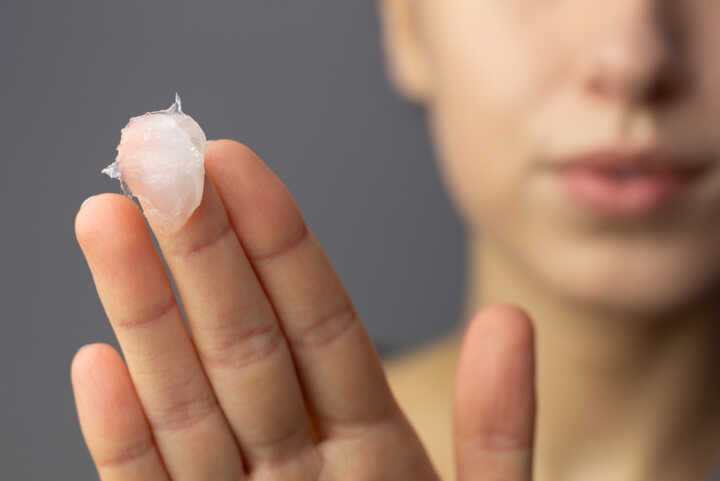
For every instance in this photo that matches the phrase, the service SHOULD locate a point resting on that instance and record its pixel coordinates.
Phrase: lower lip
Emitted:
(606, 194)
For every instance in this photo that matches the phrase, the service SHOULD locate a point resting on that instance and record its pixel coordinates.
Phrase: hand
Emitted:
(276, 378)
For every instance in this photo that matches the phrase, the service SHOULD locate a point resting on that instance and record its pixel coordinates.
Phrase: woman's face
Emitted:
(514, 88)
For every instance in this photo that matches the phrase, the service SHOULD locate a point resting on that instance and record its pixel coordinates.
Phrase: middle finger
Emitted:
(238, 337)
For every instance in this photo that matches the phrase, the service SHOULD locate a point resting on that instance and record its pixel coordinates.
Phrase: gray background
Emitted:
(301, 82)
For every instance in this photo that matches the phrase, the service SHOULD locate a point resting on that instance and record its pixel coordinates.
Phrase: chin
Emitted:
(644, 281)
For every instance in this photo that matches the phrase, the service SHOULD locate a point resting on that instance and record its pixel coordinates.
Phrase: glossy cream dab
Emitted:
(160, 161)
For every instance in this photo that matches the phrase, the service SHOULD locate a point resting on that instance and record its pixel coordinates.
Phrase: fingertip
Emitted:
(111, 417)
(86, 201)
(91, 373)
(220, 150)
(504, 323)
(89, 357)
(261, 208)
(104, 393)
(495, 398)
(104, 215)
(229, 159)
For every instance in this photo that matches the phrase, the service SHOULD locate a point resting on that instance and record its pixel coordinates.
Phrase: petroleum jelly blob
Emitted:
(160, 161)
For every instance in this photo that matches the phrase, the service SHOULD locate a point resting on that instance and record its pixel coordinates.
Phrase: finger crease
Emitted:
(209, 243)
(162, 312)
(279, 448)
(245, 347)
(285, 248)
(327, 329)
(497, 440)
(184, 415)
(129, 454)
(370, 423)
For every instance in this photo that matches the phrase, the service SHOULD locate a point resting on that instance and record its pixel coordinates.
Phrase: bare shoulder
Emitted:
(423, 382)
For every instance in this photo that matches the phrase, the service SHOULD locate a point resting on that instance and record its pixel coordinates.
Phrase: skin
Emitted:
(263, 303)
(276, 372)
(624, 310)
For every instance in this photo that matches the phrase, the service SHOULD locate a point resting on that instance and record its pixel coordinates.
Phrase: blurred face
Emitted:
(527, 97)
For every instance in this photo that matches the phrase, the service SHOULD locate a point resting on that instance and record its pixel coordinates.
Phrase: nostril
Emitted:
(667, 86)
(660, 88)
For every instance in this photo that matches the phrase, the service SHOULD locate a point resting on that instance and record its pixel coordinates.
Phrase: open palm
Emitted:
(275, 377)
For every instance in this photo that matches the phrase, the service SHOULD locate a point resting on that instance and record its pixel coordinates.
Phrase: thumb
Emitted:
(494, 411)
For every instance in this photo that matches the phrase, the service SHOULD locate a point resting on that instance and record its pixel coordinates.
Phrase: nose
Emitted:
(634, 59)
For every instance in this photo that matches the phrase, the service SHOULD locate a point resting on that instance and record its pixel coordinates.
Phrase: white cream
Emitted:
(160, 161)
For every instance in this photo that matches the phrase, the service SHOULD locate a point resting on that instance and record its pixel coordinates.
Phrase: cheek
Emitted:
(492, 78)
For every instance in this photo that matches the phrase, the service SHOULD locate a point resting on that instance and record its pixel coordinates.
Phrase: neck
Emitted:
(618, 398)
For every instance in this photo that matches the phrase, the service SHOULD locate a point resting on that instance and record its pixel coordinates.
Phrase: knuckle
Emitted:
(233, 346)
(183, 414)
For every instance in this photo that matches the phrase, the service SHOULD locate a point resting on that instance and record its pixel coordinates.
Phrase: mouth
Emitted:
(621, 183)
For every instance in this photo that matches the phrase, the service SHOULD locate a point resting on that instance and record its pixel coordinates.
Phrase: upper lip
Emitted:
(648, 159)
